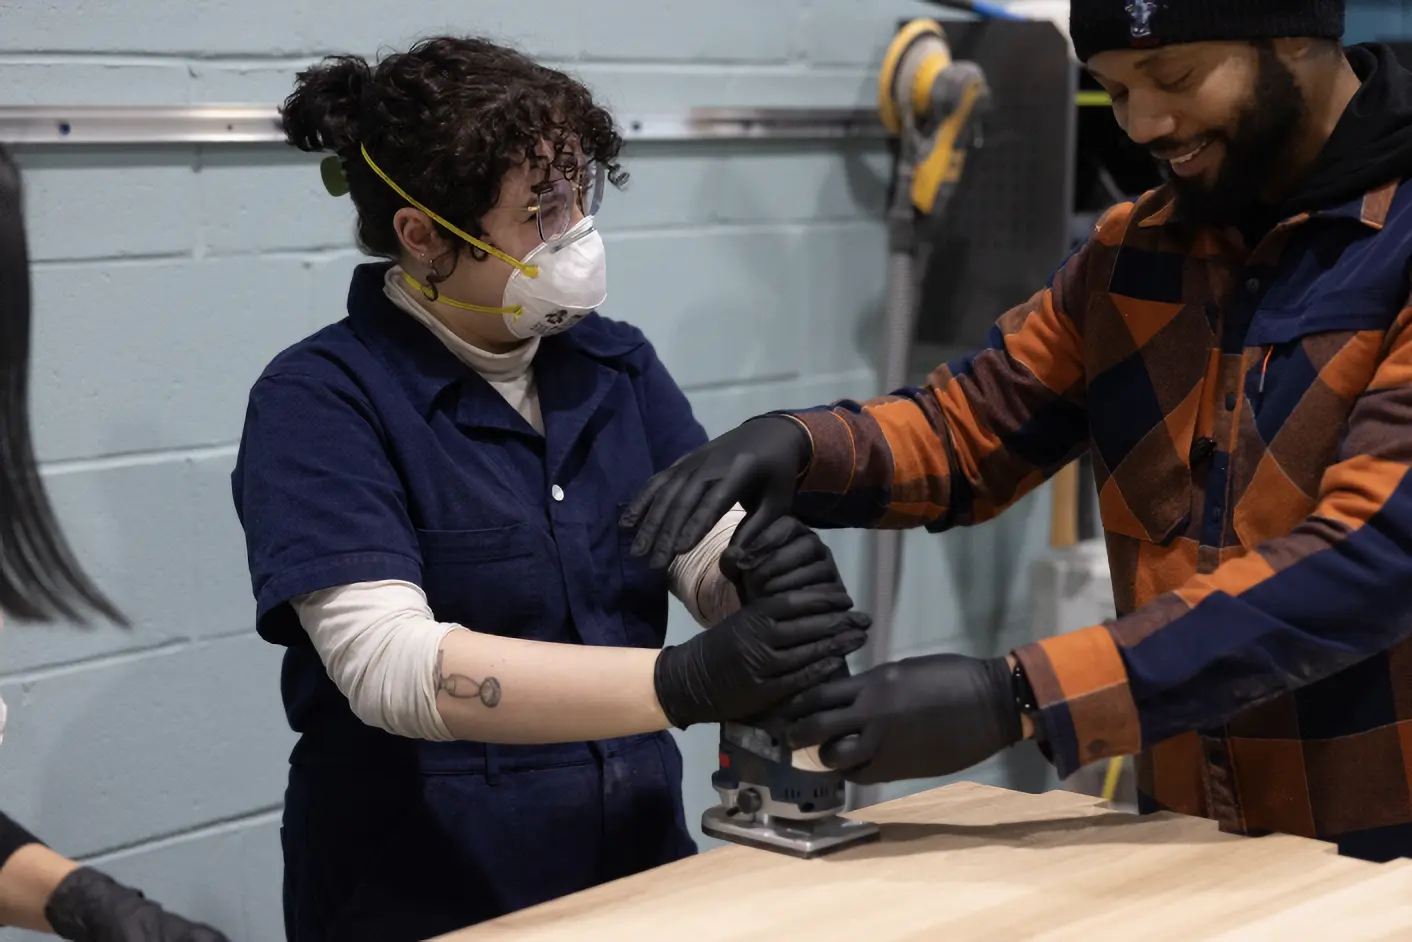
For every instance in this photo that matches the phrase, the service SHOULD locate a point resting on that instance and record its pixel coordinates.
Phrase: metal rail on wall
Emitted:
(51, 125)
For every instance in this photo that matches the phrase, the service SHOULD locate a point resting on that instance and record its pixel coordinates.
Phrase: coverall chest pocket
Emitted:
(487, 580)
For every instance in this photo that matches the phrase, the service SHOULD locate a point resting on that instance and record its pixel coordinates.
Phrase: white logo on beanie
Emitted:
(1140, 17)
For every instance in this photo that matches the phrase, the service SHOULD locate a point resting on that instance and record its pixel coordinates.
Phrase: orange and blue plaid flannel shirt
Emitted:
(1249, 415)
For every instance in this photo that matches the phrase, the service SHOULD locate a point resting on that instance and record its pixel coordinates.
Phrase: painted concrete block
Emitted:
(739, 30)
(137, 356)
(857, 32)
(82, 205)
(674, 285)
(30, 79)
(655, 87)
(673, 30)
(160, 537)
(689, 186)
(844, 293)
(269, 198)
(108, 754)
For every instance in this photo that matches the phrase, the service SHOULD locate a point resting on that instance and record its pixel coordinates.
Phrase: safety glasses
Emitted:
(555, 209)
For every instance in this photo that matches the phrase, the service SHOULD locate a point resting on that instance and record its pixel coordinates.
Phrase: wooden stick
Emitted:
(1064, 515)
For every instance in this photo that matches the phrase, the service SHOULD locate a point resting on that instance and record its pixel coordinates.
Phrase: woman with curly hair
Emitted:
(430, 490)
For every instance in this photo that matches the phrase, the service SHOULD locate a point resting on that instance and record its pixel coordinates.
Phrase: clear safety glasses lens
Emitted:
(556, 207)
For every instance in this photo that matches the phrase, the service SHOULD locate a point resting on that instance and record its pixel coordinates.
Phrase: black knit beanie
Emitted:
(1101, 25)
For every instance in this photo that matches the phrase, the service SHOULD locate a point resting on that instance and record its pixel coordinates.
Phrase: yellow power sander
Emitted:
(770, 797)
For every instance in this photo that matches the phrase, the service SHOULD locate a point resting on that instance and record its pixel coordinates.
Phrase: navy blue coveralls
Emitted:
(371, 452)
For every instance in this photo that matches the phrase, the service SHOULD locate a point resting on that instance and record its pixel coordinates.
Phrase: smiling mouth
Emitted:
(1188, 156)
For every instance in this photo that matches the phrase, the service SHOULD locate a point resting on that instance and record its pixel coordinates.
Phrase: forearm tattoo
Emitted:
(464, 688)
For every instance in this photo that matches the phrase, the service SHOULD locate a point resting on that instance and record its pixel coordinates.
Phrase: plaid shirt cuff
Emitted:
(833, 457)
(1086, 707)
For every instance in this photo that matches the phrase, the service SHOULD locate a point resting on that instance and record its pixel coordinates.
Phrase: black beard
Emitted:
(1265, 130)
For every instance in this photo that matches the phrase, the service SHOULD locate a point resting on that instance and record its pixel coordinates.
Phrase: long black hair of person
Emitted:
(39, 579)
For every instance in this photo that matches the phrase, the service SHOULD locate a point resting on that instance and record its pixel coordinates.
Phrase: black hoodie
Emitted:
(1372, 142)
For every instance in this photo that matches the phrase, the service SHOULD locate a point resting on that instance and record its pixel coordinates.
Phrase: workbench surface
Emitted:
(975, 862)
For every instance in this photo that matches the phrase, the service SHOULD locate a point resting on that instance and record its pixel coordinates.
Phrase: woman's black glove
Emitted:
(90, 906)
(762, 654)
(787, 556)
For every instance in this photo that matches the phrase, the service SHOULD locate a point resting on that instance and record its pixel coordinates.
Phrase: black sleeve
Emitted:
(12, 838)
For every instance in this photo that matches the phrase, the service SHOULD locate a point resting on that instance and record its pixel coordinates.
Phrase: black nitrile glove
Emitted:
(787, 556)
(917, 718)
(756, 465)
(762, 654)
(90, 906)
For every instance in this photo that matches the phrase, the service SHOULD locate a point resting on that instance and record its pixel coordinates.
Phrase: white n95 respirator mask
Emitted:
(571, 279)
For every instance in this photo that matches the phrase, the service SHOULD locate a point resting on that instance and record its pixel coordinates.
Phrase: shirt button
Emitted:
(556, 492)
(1230, 402)
(1253, 285)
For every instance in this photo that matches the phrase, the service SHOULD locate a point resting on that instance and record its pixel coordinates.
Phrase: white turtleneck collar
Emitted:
(509, 373)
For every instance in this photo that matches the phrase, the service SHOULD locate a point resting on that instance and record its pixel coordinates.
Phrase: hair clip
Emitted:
(335, 180)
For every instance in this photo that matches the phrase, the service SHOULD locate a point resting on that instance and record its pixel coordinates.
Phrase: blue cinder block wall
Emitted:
(167, 276)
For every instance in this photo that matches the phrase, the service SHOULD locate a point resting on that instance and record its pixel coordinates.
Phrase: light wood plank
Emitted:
(975, 862)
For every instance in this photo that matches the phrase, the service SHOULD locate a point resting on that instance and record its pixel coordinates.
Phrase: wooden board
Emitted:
(975, 862)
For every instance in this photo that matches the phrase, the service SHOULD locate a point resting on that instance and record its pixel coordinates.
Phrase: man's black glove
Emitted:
(756, 465)
(762, 654)
(90, 906)
(786, 557)
(917, 718)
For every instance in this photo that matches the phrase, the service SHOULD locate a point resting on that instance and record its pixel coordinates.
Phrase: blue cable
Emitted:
(993, 11)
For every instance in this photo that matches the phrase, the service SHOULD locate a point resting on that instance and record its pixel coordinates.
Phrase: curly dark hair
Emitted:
(446, 120)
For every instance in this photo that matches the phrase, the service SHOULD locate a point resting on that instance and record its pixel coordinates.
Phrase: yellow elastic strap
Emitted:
(432, 295)
(530, 271)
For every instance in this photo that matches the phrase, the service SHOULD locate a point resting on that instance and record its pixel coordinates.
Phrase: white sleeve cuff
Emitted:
(379, 642)
(696, 577)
